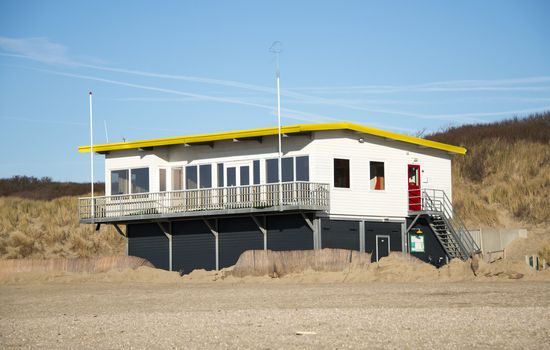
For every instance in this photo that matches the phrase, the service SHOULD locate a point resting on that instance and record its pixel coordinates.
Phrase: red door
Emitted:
(415, 198)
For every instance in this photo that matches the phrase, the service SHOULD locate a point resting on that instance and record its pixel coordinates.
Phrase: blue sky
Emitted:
(166, 68)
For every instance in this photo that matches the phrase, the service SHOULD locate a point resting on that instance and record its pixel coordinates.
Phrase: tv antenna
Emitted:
(276, 48)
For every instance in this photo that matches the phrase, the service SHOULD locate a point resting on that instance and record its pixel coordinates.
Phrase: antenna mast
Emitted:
(276, 48)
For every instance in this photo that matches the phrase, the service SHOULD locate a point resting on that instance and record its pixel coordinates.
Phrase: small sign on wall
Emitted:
(417, 244)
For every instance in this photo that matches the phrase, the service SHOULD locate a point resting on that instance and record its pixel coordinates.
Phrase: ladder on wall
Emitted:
(447, 225)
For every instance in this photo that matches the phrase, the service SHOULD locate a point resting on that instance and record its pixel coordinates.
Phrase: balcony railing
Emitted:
(299, 195)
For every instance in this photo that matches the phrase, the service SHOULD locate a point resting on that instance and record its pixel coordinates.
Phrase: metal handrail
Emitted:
(436, 200)
(315, 195)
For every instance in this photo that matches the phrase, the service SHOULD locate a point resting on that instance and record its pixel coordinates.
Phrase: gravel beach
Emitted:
(94, 315)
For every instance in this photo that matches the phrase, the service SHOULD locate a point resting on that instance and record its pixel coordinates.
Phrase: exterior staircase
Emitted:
(447, 225)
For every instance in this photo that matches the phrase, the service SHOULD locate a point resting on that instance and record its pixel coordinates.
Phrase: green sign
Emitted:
(417, 244)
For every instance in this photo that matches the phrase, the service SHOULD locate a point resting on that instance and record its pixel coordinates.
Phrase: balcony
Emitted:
(288, 196)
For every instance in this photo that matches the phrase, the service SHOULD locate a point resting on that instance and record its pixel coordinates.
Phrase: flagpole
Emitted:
(92, 158)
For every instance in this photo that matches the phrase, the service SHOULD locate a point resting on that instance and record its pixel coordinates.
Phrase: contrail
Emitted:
(311, 99)
(289, 113)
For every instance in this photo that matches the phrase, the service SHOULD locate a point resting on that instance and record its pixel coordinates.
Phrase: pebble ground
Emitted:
(504, 315)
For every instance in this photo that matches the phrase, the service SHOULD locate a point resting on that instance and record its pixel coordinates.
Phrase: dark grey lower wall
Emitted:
(149, 242)
(391, 229)
(194, 245)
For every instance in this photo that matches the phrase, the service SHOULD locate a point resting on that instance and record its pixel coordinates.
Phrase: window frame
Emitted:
(111, 181)
(385, 162)
(161, 169)
(131, 184)
(334, 173)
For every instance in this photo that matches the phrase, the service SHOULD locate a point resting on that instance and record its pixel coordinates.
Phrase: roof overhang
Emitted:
(257, 133)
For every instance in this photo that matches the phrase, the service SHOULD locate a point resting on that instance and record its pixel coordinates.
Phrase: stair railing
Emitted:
(437, 201)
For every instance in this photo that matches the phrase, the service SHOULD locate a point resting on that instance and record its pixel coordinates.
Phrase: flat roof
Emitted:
(289, 129)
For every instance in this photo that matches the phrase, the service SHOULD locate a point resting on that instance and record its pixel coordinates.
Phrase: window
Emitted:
(162, 180)
(245, 175)
(256, 172)
(177, 179)
(205, 172)
(220, 175)
(288, 169)
(191, 177)
(377, 176)
(302, 168)
(341, 173)
(140, 180)
(231, 176)
(272, 171)
(413, 176)
(119, 182)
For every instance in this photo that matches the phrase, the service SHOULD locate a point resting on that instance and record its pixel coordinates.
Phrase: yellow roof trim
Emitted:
(290, 129)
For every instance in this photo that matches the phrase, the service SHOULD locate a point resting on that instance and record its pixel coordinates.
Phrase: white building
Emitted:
(200, 201)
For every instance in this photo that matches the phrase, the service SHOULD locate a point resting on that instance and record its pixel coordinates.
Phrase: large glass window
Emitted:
(245, 175)
(288, 169)
(272, 171)
(256, 172)
(205, 172)
(302, 168)
(140, 180)
(119, 182)
(162, 180)
(231, 176)
(177, 179)
(341, 173)
(191, 177)
(377, 176)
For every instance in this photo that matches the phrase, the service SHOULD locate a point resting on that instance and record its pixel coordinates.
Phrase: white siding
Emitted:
(357, 201)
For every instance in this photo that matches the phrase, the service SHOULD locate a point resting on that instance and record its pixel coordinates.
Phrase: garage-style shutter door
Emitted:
(237, 235)
(341, 234)
(288, 232)
(193, 246)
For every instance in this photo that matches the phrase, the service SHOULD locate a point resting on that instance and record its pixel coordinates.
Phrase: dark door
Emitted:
(415, 198)
(382, 246)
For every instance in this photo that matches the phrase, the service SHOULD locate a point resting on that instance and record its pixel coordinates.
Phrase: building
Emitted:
(200, 201)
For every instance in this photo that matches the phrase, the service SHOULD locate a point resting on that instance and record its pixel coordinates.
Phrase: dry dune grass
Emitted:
(48, 229)
(82, 265)
(506, 170)
(516, 180)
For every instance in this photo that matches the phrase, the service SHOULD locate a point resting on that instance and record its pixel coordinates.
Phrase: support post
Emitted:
(168, 234)
(314, 226)
(317, 233)
(214, 231)
(263, 229)
(404, 237)
(119, 231)
(123, 234)
(362, 236)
